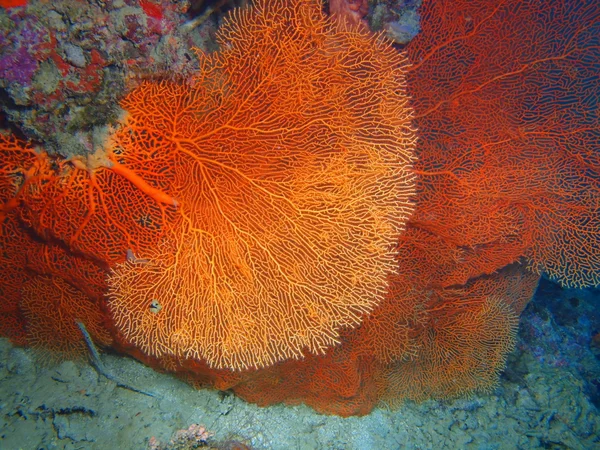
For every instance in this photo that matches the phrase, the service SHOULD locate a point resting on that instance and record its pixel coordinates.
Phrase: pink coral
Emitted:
(192, 437)
(194, 434)
(351, 11)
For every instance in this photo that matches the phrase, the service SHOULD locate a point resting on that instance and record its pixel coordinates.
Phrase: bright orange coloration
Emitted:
(22, 257)
(454, 341)
(289, 155)
(52, 308)
(263, 204)
(96, 207)
(501, 179)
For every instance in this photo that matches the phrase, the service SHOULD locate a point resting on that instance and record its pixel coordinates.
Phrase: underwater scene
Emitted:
(299, 224)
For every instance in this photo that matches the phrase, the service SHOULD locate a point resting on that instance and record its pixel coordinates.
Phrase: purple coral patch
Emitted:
(19, 49)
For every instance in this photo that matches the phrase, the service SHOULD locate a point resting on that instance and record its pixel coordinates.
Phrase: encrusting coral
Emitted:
(256, 218)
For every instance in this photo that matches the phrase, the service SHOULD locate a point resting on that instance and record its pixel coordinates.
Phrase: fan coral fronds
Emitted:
(266, 205)
(463, 339)
(510, 133)
(96, 207)
(52, 308)
(289, 155)
(17, 158)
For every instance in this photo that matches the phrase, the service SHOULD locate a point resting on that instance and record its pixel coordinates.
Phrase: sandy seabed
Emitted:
(70, 406)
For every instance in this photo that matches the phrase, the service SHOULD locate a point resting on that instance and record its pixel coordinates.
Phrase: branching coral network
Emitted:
(292, 177)
(265, 226)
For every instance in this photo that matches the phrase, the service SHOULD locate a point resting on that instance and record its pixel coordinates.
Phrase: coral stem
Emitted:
(141, 184)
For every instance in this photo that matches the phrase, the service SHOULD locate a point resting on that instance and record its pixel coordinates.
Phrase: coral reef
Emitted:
(259, 222)
(284, 154)
(61, 79)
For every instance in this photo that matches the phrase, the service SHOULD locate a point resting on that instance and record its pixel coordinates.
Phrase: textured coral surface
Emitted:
(256, 218)
(290, 168)
(509, 142)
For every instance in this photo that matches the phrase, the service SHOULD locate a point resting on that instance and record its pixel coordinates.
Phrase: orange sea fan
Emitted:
(505, 95)
(264, 206)
(17, 158)
(463, 340)
(49, 258)
(52, 308)
(49, 304)
(95, 206)
(289, 155)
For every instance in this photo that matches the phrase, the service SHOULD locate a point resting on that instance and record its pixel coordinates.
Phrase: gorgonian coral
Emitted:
(265, 204)
(289, 155)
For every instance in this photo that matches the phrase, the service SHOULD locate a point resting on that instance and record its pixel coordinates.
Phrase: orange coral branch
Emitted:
(292, 168)
(141, 184)
(291, 156)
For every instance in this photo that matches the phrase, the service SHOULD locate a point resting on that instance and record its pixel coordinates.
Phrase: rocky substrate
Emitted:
(540, 403)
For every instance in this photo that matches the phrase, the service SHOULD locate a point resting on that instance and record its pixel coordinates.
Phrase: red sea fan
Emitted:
(506, 97)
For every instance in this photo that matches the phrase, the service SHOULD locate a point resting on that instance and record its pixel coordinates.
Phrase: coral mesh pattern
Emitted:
(34, 309)
(96, 206)
(241, 165)
(506, 102)
(52, 308)
(17, 157)
(462, 339)
(289, 156)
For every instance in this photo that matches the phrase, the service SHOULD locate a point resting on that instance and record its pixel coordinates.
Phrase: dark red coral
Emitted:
(506, 105)
(505, 95)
